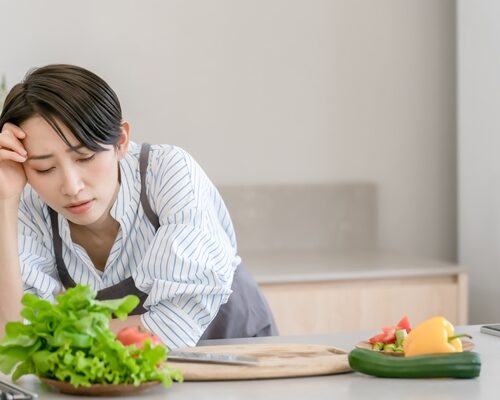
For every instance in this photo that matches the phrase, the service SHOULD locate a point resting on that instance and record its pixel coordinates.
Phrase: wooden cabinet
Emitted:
(365, 304)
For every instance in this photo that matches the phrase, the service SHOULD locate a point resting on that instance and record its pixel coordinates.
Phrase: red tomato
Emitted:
(404, 323)
(390, 334)
(136, 335)
(377, 338)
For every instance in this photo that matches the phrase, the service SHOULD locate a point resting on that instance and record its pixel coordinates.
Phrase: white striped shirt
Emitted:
(186, 267)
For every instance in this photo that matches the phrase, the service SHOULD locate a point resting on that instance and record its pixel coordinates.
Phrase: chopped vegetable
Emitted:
(379, 346)
(70, 341)
(401, 335)
(404, 323)
(390, 339)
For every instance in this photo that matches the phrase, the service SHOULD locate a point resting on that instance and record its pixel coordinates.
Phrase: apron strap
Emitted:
(62, 271)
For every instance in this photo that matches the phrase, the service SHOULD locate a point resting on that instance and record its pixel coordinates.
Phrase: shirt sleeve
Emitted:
(189, 266)
(36, 256)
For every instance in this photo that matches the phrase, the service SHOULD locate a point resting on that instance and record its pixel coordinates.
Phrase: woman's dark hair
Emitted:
(71, 95)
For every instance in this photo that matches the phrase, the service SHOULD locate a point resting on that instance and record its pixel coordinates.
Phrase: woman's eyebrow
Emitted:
(45, 156)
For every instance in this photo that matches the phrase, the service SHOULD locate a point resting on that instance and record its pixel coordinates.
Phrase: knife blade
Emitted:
(214, 358)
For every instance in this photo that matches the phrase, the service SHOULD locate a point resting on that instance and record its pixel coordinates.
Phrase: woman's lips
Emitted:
(80, 208)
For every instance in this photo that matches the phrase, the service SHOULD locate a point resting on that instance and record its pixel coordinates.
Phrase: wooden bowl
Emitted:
(98, 389)
(466, 345)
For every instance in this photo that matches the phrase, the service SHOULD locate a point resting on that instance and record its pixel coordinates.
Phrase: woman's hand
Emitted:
(12, 155)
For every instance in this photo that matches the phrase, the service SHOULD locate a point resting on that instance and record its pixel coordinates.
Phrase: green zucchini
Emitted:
(465, 364)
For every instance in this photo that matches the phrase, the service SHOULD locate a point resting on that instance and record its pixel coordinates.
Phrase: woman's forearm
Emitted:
(11, 287)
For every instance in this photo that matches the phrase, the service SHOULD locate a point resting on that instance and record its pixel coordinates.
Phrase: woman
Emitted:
(125, 219)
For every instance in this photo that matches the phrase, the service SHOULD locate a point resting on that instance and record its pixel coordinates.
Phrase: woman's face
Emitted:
(81, 185)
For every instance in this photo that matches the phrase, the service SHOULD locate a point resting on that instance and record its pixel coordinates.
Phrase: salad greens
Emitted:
(70, 341)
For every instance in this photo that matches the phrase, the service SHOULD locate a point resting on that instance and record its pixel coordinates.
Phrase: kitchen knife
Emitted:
(10, 391)
(214, 358)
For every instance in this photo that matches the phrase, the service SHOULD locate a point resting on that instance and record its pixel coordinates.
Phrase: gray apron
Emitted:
(246, 313)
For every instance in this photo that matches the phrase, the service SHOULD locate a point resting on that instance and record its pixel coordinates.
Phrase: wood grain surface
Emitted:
(275, 361)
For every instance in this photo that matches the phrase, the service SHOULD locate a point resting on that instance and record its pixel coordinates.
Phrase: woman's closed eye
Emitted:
(84, 159)
(44, 171)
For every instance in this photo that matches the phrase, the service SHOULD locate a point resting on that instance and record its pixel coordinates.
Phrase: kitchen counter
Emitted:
(314, 291)
(315, 266)
(345, 386)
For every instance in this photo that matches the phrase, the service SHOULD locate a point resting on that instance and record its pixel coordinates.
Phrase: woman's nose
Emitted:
(72, 183)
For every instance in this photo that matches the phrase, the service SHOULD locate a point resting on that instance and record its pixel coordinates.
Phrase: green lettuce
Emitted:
(70, 341)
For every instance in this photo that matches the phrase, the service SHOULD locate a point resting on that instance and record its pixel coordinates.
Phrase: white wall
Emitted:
(277, 91)
(478, 35)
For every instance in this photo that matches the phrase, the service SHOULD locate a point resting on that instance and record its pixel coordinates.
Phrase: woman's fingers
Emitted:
(9, 139)
(11, 155)
(14, 129)
(12, 145)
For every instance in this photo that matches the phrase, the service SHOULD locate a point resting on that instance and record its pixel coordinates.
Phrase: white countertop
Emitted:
(353, 386)
(310, 266)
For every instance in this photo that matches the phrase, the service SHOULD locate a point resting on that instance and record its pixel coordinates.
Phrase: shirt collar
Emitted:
(124, 198)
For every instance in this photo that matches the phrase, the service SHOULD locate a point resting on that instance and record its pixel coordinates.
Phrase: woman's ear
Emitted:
(122, 144)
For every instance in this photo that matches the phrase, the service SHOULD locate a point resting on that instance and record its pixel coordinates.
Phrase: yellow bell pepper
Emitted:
(435, 335)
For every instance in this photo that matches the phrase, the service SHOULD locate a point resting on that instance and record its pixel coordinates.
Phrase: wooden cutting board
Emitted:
(275, 361)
